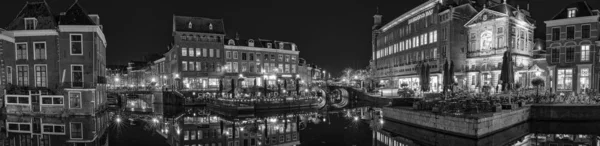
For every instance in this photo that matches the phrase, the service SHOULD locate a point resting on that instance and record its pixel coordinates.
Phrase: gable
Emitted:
(483, 16)
(38, 10)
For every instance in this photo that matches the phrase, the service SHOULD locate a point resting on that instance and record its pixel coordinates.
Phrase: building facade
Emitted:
(570, 39)
(6, 43)
(196, 56)
(493, 31)
(58, 63)
(260, 60)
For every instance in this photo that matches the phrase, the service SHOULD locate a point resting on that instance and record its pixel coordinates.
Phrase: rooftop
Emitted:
(198, 24)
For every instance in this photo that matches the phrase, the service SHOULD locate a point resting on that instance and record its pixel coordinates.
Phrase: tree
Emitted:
(537, 82)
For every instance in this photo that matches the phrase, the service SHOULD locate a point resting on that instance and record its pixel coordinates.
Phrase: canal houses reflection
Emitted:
(46, 131)
(203, 127)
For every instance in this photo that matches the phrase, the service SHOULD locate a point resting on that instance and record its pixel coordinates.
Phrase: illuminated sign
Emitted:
(420, 16)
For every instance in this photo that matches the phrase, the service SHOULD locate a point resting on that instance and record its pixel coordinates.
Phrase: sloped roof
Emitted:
(583, 9)
(512, 12)
(199, 24)
(75, 15)
(40, 11)
(261, 43)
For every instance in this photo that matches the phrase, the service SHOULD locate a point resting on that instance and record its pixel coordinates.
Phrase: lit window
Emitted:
(572, 12)
(198, 52)
(227, 54)
(584, 78)
(210, 26)
(40, 76)
(184, 52)
(585, 53)
(190, 25)
(212, 53)
(30, 23)
(231, 42)
(251, 43)
(191, 52)
(564, 79)
(204, 52)
(184, 66)
(9, 75)
(269, 45)
(235, 55)
(76, 44)
(191, 66)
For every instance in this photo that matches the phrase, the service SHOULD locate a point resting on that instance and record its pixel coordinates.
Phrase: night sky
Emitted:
(333, 34)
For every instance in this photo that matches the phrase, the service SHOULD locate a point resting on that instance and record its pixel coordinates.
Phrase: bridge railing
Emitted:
(262, 101)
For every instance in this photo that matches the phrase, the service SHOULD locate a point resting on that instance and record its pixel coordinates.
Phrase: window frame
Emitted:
(554, 36)
(35, 71)
(52, 98)
(25, 83)
(589, 32)
(9, 75)
(71, 43)
(35, 55)
(585, 55)
(82, 74)
(53, 129)
(19, 125)
(71, 129)
(80, 99)
(35, 22)
(567, 32)
(26, 50)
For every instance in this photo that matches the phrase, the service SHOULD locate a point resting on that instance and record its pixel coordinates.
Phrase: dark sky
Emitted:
(333, 34)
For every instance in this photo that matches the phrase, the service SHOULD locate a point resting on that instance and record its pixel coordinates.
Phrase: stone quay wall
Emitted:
(564, 112)
(469, 126)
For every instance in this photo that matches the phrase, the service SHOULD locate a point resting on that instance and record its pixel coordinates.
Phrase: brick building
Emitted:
(196, 56)
(571, 38)
(255, 59)
(6, 43)
(58, 64)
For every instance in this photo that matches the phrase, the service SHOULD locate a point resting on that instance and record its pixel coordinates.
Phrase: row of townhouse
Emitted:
(473, 36)
(53, 63)
(202, 58)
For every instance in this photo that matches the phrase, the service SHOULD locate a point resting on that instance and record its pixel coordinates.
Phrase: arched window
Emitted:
(231, 42)
(210, 26)
(269, 45)
(251, 43)
(183, 37)
(190, 25)
(280, 45)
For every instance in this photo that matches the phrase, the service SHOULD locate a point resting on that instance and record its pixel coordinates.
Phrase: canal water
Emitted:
(141, 123)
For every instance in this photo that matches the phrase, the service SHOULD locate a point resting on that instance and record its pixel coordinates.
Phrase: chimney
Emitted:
(95, 18)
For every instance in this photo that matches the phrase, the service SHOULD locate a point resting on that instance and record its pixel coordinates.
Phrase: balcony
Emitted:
(77, 85)
(481, 53)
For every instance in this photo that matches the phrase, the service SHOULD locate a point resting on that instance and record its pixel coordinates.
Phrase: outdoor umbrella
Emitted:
(265, 87)
(445, 77)
(221, 125)
(506, 74)
(451, 75)
(221, 88)
(266, 128)
(298, 87)
(232, 88)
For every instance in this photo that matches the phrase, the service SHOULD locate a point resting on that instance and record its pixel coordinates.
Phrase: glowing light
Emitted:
(154, 120)
(178, 131)
(176, 75)
(355, 118)
(116, 79)
(324, 120)
(118, 120)
(273, 120)
(153, 79)
(242, 129)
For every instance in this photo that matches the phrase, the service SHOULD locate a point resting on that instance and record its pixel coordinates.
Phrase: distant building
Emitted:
(7, 42)
(255, 59)
(431, 33)
(493, 31)
(44, 81)
(570, 39)
(196, 56)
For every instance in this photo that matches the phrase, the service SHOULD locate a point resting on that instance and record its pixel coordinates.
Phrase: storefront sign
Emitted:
(420, 16)
(286, 76)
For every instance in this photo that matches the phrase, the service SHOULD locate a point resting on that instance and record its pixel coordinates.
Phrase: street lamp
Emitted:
(153, 79)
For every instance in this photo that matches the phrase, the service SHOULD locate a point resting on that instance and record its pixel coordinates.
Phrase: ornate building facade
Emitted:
(492, 32)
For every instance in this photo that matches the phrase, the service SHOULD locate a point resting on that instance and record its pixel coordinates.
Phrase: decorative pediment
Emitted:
(536, 68)
(485, 15)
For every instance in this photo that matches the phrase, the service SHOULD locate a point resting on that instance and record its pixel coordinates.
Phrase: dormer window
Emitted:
(269, 45)
(190, 25)
(210, 26)
(293, 47)
(30, 23)
(280, 45)
(572, 12)
(231, 42)
(251, 43)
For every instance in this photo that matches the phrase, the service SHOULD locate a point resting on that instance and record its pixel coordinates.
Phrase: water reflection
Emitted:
(140, 121)
(534, 133)
(46, 131)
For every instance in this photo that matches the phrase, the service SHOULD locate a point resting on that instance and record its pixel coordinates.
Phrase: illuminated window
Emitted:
(584, 78)
(585, 53)
(572, 12)
(564, 79)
